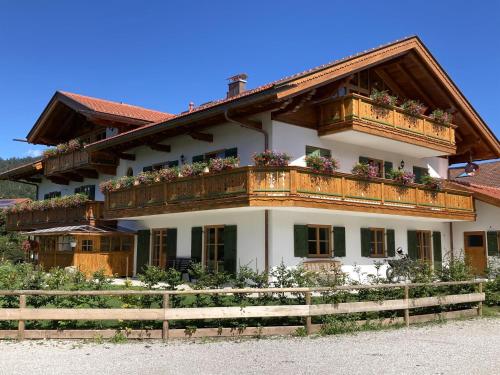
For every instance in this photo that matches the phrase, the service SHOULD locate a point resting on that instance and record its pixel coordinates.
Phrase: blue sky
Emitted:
(164, 54)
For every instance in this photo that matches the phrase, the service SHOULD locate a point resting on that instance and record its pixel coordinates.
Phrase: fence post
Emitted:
(407, 310)
(308, 318)
(480, 304)
(21, 323)
(166, 305)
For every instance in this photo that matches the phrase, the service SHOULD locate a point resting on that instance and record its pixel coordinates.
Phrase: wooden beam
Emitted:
(205, 137)
(124, 156)
(58, 180)
(390, 82)
(414, 83)
(88, 173)
(159, 147)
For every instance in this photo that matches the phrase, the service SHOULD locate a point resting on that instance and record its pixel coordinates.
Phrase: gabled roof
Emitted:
(118, 109)
(487, 175)
(91, 107)
(289, 87)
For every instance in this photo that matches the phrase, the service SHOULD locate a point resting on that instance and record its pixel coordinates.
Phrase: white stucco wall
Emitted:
(282, 236)
(46, 186)
(249, 222)
(293, 140)
(488, 219)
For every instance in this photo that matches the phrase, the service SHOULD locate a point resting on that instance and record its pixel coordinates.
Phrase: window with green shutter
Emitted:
(196, 243)
(143, 239)
(391, 242)
(230, 251)
(412, 245)
(387, 169)
(339, 247)
(300, 241)
(365, 242)
(318, 151)
(493, 240)
(419, 172)
(436, 249)
(88, 190)
(171, 243)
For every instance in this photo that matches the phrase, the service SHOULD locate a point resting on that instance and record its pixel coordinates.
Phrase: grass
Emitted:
(491, 311)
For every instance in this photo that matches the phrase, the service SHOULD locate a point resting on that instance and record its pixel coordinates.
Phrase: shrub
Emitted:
(383, 98)
(321, 164)
(271, 158)
(195, 169)
(413, 107)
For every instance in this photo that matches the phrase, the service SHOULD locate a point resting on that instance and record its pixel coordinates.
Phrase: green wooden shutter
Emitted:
(387, 169)
(365, 242)
(231, 152)
(412, 244)
(196, 243)
(171, 243)
(230, 252)
(198, 158)
(364, 160)
(492, 239)
(419, 172)
(436, 249)
(339, 242)
(143, 238)
(391, 243)
(300, 241)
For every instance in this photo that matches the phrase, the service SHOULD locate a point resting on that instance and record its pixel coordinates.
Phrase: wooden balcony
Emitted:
(360, 114)
(288, 187)
(78, 164)
(88, 214)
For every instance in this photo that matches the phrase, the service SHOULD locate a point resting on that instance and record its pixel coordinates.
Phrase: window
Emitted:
(48, 244)
(52, 194)
(475, 240)
(157, 167)
(419, 172)
(64, 243)
(379, 164)
(424, 250)
(88, 190)
(116, 243)
(159, 255)
(225, 153)
(318, 241)
(214, 248)
(312, 150)
(130, 172)
(105, 244)
(377, 242)
(87, 245)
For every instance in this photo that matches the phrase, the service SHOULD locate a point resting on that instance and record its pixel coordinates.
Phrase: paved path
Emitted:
(462, 347)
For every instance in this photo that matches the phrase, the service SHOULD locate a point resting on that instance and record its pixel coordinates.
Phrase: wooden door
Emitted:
(475, 251)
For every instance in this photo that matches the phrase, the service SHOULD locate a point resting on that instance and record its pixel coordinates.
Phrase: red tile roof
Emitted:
(487, 175)
(258, 89)
(118, 109)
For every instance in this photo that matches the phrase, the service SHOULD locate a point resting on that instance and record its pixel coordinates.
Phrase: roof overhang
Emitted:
(298, 84)
(23, 172)
(78, 230)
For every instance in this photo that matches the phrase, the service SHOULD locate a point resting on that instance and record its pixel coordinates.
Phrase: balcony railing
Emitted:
(285, 187)
(356, 107)
(88, 213)
(76, 159)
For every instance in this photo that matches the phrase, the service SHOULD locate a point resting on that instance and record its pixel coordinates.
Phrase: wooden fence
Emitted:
(167, 313)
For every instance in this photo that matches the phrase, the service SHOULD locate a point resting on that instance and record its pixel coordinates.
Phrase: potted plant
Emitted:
(432, 182)
(271, 158)
(365, 170)
(321, 164)
(222, 164)
(401, 176)
(383, 98)
(441, 116)
(194, 169)
(167, 174)
(413, 107)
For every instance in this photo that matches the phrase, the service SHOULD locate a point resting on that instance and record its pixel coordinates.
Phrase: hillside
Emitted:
(9, 189)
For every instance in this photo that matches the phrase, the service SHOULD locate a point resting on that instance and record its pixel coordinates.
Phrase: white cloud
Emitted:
(34, 153)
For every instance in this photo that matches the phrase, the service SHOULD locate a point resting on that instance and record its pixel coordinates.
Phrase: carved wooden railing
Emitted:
(354, 106)
(282, 184)
(76, 159)
(88, 213)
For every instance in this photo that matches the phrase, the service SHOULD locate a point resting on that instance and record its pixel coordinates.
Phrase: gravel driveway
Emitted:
(461, 347)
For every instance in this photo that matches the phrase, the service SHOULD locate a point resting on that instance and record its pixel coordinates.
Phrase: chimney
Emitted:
(191, 106)
(236, 85)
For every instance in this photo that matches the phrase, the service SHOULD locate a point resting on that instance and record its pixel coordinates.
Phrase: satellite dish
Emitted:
(471, 168)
